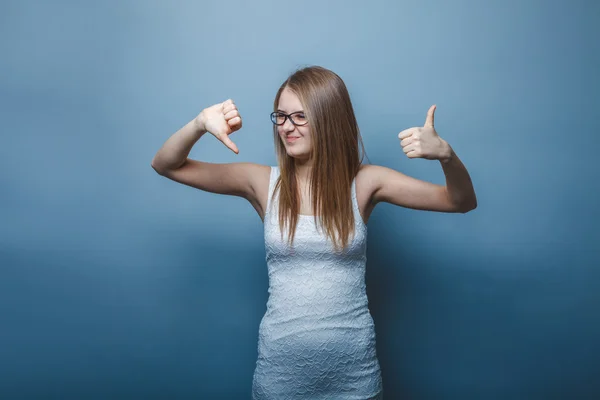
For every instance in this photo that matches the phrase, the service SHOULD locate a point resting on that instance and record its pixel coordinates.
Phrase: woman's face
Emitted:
(296, 139)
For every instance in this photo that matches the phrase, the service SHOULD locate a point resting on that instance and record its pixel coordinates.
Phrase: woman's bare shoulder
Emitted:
(365, 176)
(366, 184)
(259, 182)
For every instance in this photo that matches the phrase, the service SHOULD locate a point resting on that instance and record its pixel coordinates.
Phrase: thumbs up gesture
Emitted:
(424, 142)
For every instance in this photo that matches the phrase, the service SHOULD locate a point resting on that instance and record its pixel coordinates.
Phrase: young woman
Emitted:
(317, 337)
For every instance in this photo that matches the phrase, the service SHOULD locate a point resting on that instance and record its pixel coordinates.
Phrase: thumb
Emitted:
(231, 145)
(224, 138)
(430, 118)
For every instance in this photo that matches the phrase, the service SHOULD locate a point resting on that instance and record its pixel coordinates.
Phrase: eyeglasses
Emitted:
(298, 118)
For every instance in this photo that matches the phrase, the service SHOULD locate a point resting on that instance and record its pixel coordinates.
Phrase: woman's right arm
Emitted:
(171, 160)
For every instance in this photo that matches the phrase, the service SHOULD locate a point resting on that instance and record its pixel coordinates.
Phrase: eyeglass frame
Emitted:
(287, 116)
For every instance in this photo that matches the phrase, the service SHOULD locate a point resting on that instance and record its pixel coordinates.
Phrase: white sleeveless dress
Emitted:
(317, 337)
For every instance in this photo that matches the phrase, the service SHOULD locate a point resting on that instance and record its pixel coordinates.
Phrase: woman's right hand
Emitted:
(221, 120)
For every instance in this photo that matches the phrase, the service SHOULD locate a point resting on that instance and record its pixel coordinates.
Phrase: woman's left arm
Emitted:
(458, 182)
(397, 188)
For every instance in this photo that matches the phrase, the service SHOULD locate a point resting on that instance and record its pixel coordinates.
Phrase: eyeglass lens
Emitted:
(297, 118)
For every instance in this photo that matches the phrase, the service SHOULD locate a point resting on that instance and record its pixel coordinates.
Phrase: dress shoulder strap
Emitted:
(272, 180)
(354, 198)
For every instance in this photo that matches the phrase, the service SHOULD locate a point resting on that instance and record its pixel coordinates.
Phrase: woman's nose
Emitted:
(287, 125)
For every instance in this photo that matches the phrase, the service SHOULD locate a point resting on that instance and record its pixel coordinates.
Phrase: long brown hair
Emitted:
(335, 137)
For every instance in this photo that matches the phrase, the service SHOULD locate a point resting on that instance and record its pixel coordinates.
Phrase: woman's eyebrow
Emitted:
(291, 112)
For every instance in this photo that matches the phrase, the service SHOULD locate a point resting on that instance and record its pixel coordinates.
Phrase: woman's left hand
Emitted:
(424, 142)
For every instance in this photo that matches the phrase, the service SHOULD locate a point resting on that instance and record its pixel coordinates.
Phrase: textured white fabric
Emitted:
(317, 337)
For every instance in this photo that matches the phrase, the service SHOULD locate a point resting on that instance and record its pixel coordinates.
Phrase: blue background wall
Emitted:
(118, 283)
